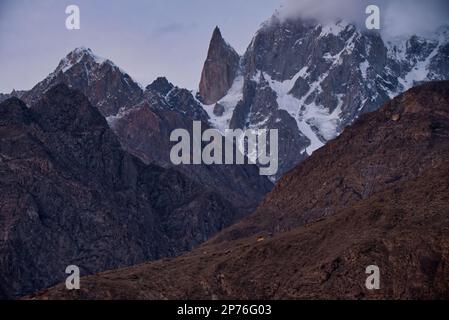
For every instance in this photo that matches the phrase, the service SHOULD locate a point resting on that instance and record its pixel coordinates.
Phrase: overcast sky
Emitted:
(150, 38)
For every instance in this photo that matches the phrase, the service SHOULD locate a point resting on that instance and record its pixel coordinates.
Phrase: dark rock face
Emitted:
(220, 69)
(377, 195)
(69, 195)
(106, 85)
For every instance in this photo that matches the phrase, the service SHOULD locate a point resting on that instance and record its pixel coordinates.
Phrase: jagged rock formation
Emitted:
(220, 69)
(311, 80)
(376, 195)
(70, 195)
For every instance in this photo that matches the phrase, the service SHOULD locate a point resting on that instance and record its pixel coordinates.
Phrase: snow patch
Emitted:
(332, 29)
(229, 102)
(364, 68)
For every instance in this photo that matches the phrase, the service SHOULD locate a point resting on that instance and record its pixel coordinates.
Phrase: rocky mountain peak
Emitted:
(81, 52)
(216, 35)
(107, 87)
(161, 85)
(163, 95)
(80, 55)
(220, 69)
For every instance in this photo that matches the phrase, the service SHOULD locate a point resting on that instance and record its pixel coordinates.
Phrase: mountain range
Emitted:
(86, 177)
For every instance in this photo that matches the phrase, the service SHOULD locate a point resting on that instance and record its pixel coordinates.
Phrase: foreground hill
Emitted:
(377, 195)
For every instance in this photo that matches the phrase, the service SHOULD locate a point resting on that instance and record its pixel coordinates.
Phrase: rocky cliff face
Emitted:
(71, 195)
(311, 80)
(220, 69)
(377, 195)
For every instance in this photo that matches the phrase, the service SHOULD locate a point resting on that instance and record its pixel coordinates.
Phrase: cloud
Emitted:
(174, 27)
(399, 17)
(420, 17)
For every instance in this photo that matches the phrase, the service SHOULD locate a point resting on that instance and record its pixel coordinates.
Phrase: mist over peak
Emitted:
(398, 17)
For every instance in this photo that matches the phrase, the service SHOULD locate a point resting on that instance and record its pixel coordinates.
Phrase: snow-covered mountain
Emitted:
(310, 80)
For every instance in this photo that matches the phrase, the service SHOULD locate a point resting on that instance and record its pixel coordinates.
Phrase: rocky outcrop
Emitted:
(219, 71)
(377, 195)
(69, 195)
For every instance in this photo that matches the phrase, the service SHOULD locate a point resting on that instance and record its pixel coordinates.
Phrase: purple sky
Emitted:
(150, 38)
(147, 38)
